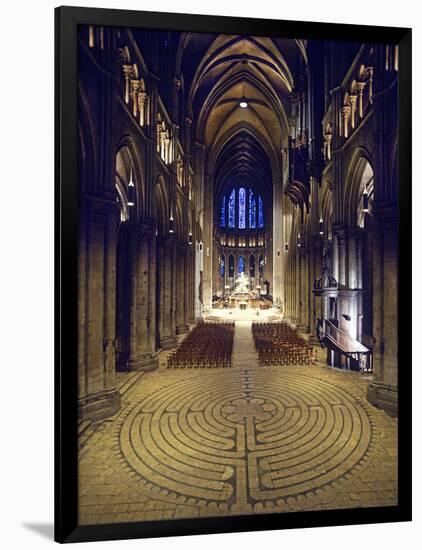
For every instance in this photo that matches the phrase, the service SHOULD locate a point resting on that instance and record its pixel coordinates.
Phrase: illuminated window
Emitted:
(242, 208)
(223, 212)
(232, 209)
(91, 37)
(241, 264)
(260, 212)
(222, 266)
(252, 210)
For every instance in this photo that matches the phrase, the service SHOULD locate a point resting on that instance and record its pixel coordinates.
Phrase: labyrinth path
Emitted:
(245, 436)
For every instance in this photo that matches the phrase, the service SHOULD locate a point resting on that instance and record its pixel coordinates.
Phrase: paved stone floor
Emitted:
(240, 440)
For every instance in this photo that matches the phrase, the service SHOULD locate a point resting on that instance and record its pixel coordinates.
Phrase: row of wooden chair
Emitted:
(279, 344)
(208, 345)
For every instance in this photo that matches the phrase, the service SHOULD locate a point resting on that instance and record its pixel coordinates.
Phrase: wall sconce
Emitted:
(131, 194)
(365, 202)
(190, 238)
(278, 252)
(298, 240)
(286, 247)
(321, 226)
(131, 191)
(171, 225)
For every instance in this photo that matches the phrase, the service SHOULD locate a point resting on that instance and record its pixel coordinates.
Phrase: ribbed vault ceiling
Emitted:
(218, 70)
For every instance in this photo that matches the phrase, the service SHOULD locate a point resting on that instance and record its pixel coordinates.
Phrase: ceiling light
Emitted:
(243, 103)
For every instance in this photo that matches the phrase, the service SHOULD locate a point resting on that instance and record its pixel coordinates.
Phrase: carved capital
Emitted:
(134, 85)
(353, 99)
(360, 86)
(369, 73)
(142, 96)
(128, 71)
(341, 234)
(345, 111)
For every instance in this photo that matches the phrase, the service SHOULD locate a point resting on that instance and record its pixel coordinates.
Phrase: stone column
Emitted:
(315, 262)
(109, 344)
(352, 264)
(297, 289)
(168, 290)
(291, 301)
(208, 260)
(161, 306)
(98, 396)
(382, 391)
(304, 321)
(182, 290)
(341, 244)
(187, 283)
(167, 293)
(152, 296)
(278, 244)
(193, 289)
(145, 358)
(132, 234)
(173, 269)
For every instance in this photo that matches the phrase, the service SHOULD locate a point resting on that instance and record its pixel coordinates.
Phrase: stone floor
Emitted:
(240, 440)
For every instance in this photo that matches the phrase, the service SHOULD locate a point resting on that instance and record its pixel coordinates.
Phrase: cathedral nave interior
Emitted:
(237, 280)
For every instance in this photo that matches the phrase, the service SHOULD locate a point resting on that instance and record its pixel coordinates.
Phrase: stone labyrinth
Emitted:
(234, 441)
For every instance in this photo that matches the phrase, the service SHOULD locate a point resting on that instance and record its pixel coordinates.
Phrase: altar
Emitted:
(242, 297)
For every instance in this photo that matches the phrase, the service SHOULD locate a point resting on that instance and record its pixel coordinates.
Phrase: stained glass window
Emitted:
(223, 212)
(231, 265)
(252, 210)
(260, 212)
(222, 265)
(231, 209)
(242, 208)
(241, 264)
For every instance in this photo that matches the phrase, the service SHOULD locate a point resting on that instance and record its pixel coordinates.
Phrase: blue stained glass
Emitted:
(231, 209)
(260, 212)
(242, 208)
(223, 212)
(222, 266)
(252, 210)
(241, 264)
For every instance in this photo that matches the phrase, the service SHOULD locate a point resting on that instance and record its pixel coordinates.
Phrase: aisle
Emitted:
(244, 353)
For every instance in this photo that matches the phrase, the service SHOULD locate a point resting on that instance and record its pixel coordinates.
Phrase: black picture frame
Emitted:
(66, 246)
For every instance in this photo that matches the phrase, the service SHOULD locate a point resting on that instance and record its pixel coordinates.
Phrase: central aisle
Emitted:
(244, 354)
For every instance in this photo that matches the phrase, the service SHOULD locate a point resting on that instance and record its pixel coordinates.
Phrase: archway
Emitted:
(126, 185)
(359, 203)
(365, 222)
